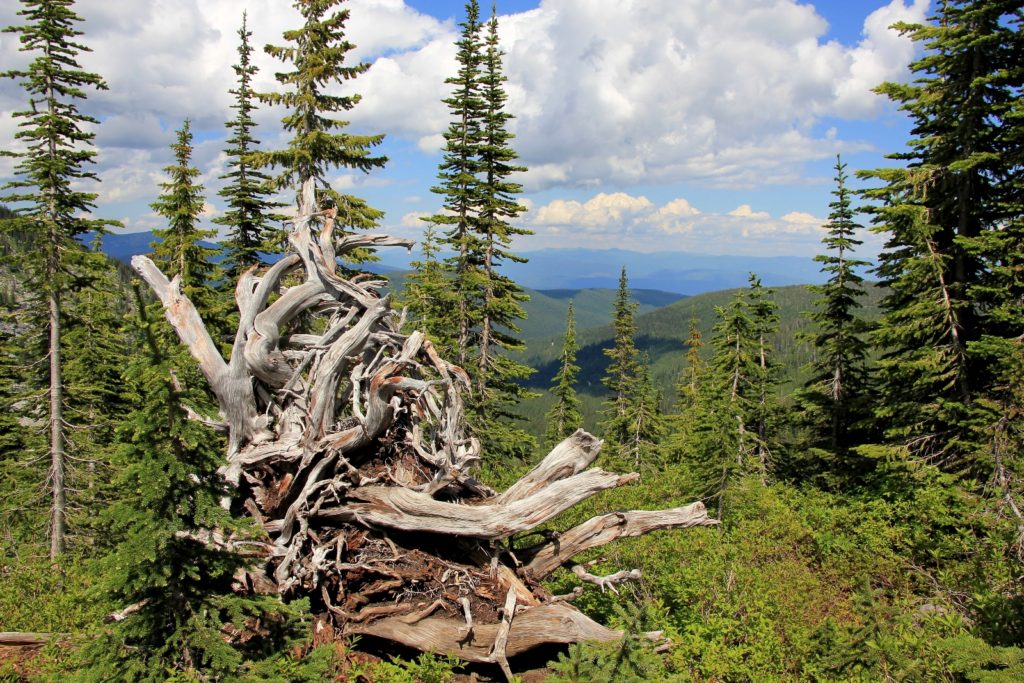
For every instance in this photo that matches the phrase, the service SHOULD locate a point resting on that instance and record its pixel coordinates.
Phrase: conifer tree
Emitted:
(172, 561)
(623, 369)
(689, 388)
(937, 211)
(177, 250)
(50, 171)
(316, 53)
(498, 374)
(734, 365)
(643, 418)
(478, 209)
(833, 402)
(427, 294)
(764, 414)
(250, 211)
(459, 182)
(564, 418)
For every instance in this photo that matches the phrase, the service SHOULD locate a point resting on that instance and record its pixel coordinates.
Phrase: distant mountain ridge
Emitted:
(579, 269)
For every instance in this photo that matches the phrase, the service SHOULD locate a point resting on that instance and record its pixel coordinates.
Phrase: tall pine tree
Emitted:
(177, 250)
(316, 53)
(564, 418)
(250, 212)
(937, 212)
(55, 210)
(834, 402)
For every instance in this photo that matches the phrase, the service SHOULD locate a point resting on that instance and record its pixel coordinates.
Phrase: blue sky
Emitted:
(708, 126)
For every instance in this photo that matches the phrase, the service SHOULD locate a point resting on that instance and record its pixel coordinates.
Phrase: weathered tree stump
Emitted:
(347, 444)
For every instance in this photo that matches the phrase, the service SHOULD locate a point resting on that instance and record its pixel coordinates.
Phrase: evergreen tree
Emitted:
(427, 294)
(459, 183)
(764, 414)
(317, 51)
(734, 365)
(623, 370)
(834, 400)
(478, 207)
(643, 418)
(689, 388)
(937, 212)
(171, 559)
(177, 250)
(499, 376)
(564, 418)
(249, 210)
(50, 170)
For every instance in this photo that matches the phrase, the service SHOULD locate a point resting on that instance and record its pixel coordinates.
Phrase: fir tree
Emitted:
(427, 294)
(564, 418)
(459, 182)
(937, 211)
(689, 390)
(249, 210)
(499, 376)
(177, 250)
(50, 171)
(623, 369)
(189, 622)
(764, 384)
(833, 401)
(643, 419)
(316, 53)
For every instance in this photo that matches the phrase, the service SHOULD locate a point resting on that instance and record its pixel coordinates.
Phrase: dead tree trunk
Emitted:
(347, 444)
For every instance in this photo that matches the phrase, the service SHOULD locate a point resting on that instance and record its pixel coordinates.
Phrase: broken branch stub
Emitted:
(348, 445)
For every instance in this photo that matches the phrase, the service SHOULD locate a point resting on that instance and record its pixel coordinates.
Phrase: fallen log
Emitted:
(348, 446)
(24, 639)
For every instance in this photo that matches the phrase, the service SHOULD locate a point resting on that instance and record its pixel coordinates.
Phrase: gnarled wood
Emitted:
(349, 447)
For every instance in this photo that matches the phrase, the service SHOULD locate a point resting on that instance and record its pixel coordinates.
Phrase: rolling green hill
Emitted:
(661, 334)
(545, 311)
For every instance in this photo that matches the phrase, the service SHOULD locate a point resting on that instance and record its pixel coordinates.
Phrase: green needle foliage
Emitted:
(834, 402)
(316, 53)
(189, 623)
(564, 418)
(459, 184)
(52, 208)
(478, 207)
(250, 212)
(940, 212)
(632, 424)
(178, 251)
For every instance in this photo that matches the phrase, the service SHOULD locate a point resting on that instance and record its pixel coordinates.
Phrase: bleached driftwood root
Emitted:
(347, 444)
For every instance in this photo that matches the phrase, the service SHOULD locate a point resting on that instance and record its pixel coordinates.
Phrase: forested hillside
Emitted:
(250, 456)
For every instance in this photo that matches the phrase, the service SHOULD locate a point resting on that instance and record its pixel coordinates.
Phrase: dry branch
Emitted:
(348, 445)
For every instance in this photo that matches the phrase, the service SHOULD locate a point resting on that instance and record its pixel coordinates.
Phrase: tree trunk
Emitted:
(349, 448)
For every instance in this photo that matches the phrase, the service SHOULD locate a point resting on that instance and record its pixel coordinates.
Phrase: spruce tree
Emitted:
(173, 562)
(177, 250)
(937, 211)
(50, 172)
(459, 183)
(250, 211)
(499, 376)
(623, 370)
(316, 53)
(564, 418)
(834, 400)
